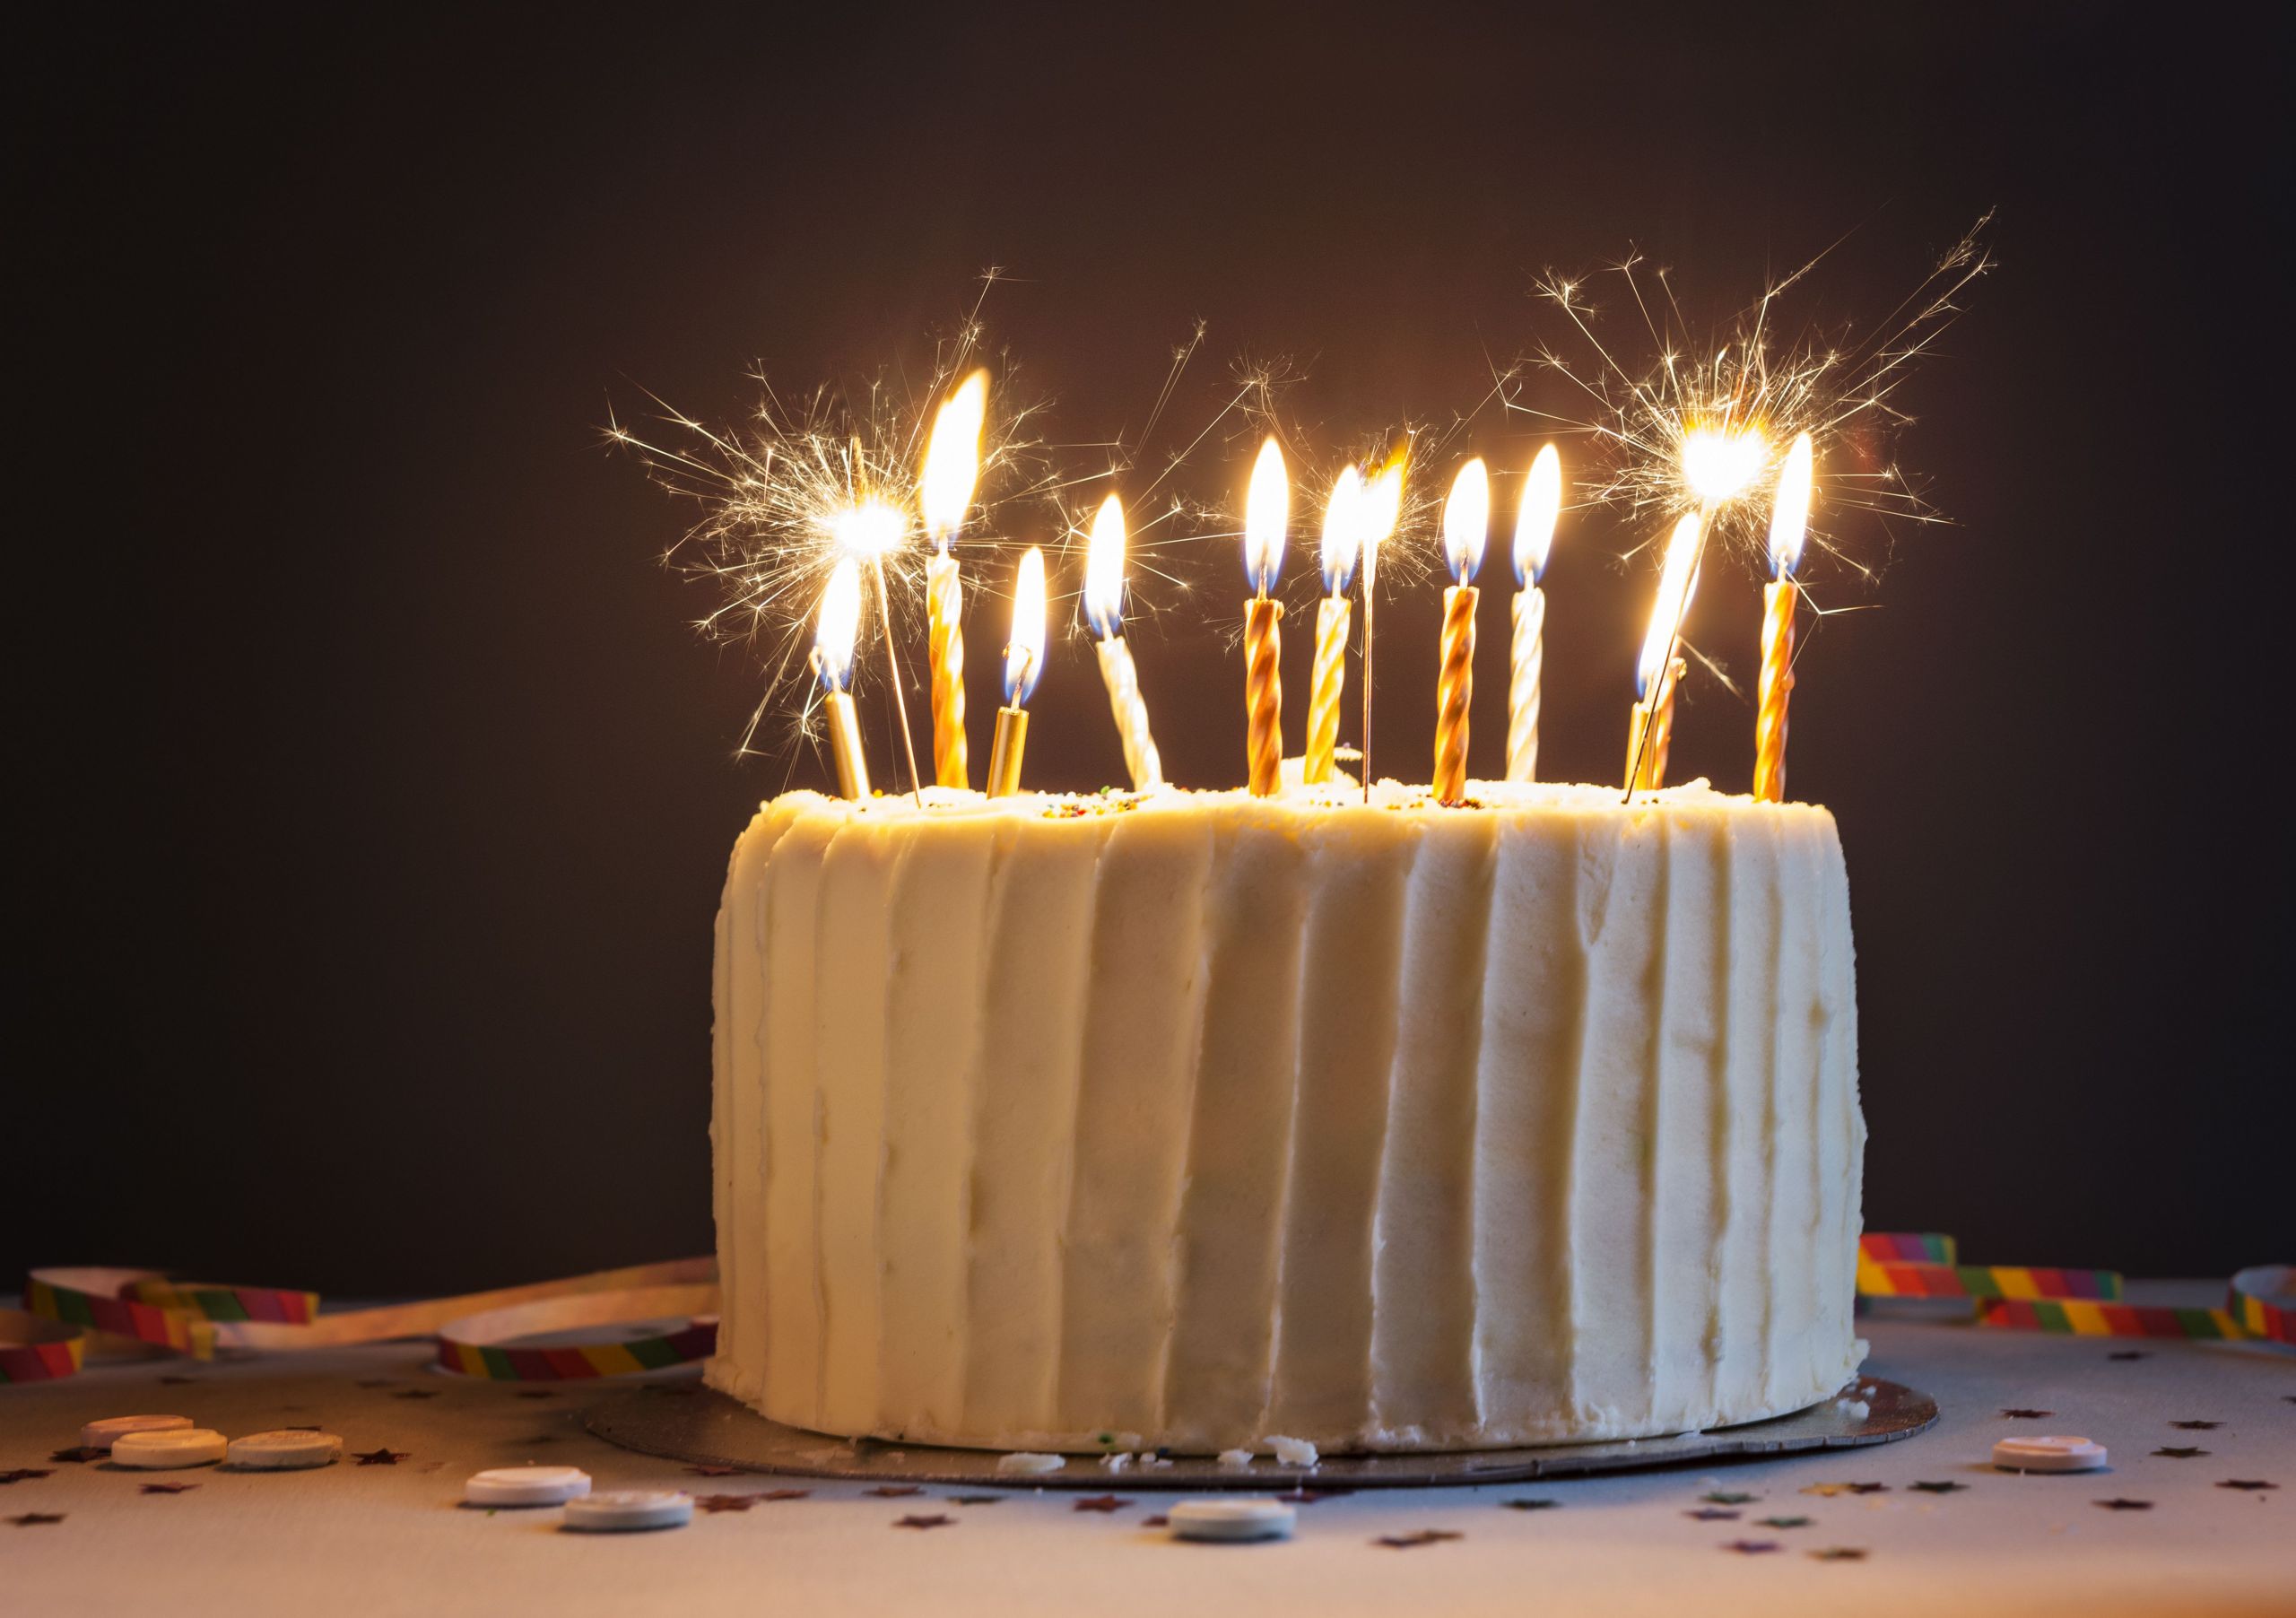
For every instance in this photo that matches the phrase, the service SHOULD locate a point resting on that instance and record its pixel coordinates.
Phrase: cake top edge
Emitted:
(1387, 796)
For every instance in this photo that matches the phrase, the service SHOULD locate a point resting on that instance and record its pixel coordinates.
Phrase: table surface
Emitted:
(356, 1539)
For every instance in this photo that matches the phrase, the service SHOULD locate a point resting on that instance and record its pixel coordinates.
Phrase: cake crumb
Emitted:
(1295, 1452)
(1235, 1459)
(1023, 1460)
(1856, 1410)
(1117, 1462)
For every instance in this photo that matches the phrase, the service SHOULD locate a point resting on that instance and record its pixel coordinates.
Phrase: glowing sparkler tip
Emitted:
(1025, 653)
(1789, 517)
(868, 529)
(1267, 516)
(952, 459)
(1466, 520)
(1535, 521)
(1344, 523)
(1718, 463)
(1104, 569)
(839, 620)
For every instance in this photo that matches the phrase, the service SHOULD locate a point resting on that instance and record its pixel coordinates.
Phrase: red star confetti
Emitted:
(1839, 1553)
(893, 1491)
(1412, 1542)
(1946, 1487)
(168, 1488)
(1101, 1502)
(2174, 1453)
(1725, 1497)
(977, 1500)
(382, 1457)
(1750, 1547)
(714, 1471)
(2118, 1504)
(785, 1494)
(1785, 1522)
(33, 1519)
(2196, 1426)
(1532, 1504)
(1711, 1514)
(80, 1452)
(2246, 1483)
(2029, 1415)
(22, 1474)
(724, 1502)
(1158, 1521)
(923, 1522)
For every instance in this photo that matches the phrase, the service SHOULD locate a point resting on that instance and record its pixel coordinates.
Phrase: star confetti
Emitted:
(33, 1519)
(2196, 1426)
(1158, 1521)
(168, 1488)
(23, 1473)
(1785, 1522)
(2119, 1504)
(714, 1471)
(978, 1500)
(177, 1382)
(1100, 1502)
(1412, 1542)
(714, 1503)
(1725, 1497)
(80, 1452)
(373, 1382)
(2128, 1354)
(1839, 1553)
(1750, 1547)
(925, 1522)
(1711, 1514)
(2176, 1453)
(1947, 1486)
(2246, 1483)
(1529, 1504)
(416, 1393)
(2029, 1415)
(1830, 1490)
(382, 1457)
(893, 1491)
(537, 1393)
(785, 1494)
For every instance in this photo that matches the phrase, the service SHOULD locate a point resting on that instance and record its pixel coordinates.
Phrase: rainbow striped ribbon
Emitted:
(1876, 1279)
(2082, 1317)
(36, 1349)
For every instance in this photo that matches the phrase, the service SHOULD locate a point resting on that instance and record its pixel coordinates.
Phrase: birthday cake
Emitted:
(1195, 1119)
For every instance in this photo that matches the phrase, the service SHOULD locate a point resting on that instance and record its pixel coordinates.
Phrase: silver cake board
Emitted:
(686, 1422)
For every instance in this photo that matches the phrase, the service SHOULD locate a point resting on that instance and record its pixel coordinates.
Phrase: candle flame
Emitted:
(1267, 515)
(1025, 653)
(952, 459)
(839, 620)
(1676, 583)
(1535, 522)
(1104, 569)
(1789, 514)
(1382, 509)
(1719, 462)
(1466, 520)
(867, 529)
(1343, 515)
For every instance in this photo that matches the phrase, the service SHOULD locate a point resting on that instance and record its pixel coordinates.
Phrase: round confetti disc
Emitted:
(622, 1511)
(1232, 1517)
(288, 1449)
(525, 1487)
(101, 1435)
(174, 1447)
(2048, 1455)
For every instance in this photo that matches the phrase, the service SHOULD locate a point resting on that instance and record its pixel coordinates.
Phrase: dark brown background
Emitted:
(374, 792)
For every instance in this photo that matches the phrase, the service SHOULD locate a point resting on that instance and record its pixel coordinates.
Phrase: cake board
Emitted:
(704, 1427)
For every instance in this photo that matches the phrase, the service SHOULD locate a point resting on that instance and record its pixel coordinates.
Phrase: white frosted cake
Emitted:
(1196, 1120)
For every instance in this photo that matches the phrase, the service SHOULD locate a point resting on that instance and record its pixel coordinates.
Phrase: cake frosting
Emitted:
(1194, 1118)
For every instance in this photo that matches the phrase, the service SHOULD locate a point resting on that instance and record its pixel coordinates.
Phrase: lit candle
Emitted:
(1534, 539)
(1267, 513)
(834, 628)
(1104, 606)
(1382, 510)
(1343, 541)
(952, 467)
(1023, 661)
(1789, 520)
(1467, 519)
(1650, 728)
(866, 530)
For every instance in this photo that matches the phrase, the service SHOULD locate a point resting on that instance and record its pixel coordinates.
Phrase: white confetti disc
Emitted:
(620, 1510)
(101, 1435)
(525, 1487)
(1232, 1518)
(172, 1447)
(1023, 1462)
(284, 1450)
(2047, 1455)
